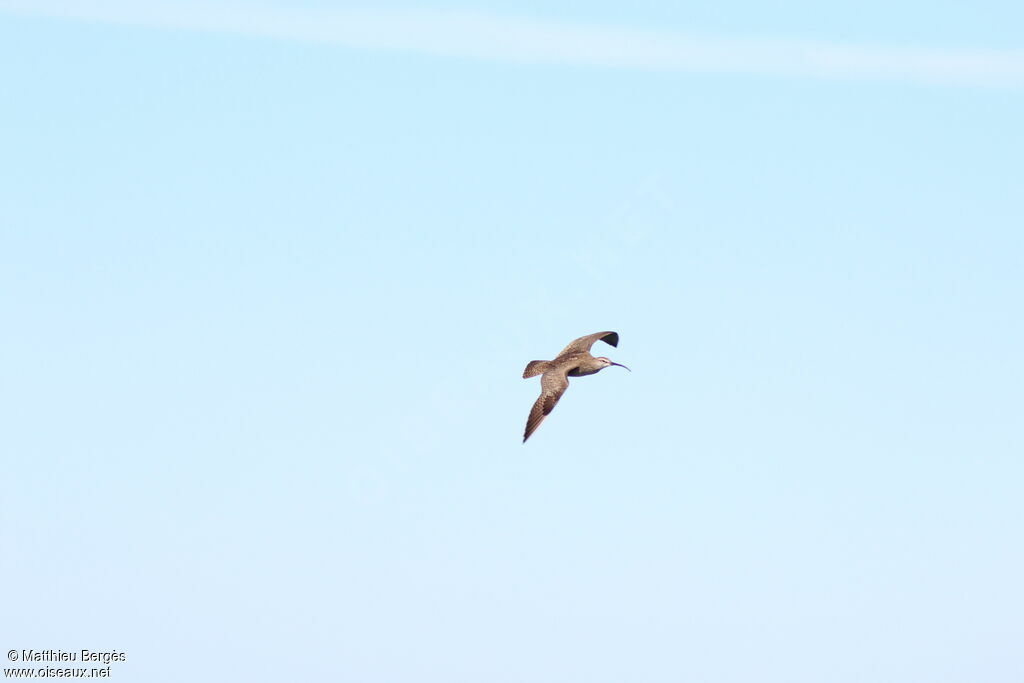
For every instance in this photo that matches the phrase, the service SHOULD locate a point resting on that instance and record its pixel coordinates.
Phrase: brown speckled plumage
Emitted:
(573, 361)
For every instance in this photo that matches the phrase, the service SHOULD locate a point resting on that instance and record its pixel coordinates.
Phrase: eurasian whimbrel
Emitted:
(574, 361)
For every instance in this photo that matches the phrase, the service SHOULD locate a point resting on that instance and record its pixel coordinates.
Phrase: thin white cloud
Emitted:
(497, 38)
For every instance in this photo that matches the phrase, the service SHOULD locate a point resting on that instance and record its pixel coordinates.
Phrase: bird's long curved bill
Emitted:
(621, 366)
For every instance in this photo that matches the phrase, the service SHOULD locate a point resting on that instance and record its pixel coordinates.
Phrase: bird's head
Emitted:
(605, 362)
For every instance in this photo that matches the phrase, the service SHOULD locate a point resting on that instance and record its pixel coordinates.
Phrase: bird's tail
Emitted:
(536, 367)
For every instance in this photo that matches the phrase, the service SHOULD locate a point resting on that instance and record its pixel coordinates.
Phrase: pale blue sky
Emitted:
(267, 301)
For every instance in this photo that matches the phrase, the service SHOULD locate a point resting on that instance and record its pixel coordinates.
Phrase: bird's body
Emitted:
(573, 361)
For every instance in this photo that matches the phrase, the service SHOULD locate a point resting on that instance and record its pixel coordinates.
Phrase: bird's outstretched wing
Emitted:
(552, 385)
(583, 344)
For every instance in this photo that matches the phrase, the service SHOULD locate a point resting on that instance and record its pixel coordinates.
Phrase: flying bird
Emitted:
(573, 361)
